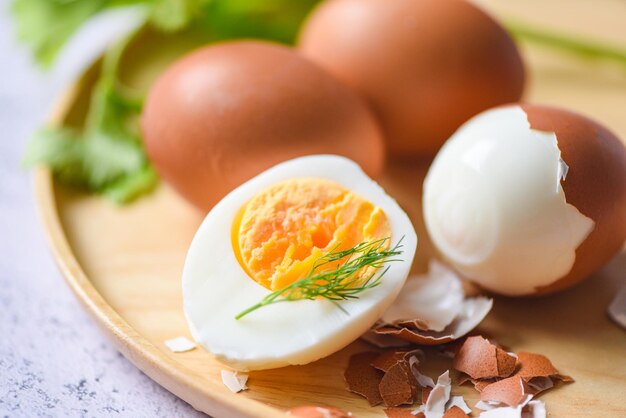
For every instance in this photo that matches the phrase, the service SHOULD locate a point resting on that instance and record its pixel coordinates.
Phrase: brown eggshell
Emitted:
(363, 379)
(383, 341)
(398, 413)
(227, 112)
(534, 365)
(595, 185)
(388, 359)
(510, 391)
(312, 411)
(455, 412)
(480, 359)
(398, 386)
(425, 66)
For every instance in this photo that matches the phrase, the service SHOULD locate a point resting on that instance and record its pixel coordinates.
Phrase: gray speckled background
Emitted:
(54, 361)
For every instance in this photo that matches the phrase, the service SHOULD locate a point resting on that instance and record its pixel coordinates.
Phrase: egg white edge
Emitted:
(214, 237)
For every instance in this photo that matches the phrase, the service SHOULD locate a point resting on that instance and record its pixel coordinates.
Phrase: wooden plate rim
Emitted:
(193, 388)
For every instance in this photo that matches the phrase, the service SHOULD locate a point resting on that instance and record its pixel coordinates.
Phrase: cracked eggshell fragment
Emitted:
(459, 402)
(455, 412)
(534, 365)
(311, 411)
(498, 209)
(528, 409)
(432, 309)
(363, 379)
(617, 308)
(480, 359)
(510, 391)
(180, 344)
(428, 302)
(398, 413)
(472, 313)
(439, 396)
(383, 341)
(235, 382)
(398, 385)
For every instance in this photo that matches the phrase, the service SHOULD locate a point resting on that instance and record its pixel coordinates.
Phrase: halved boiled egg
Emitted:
(271, 232)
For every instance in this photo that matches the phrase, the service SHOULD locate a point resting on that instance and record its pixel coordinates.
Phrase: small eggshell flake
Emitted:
(435, 405)
(528, 409)
(216, 288)
(455, 412)
(493, 190)
(460, 403)
(617, 309)
(235, 382)
(398, 413)
(180, 344)
(311, 411)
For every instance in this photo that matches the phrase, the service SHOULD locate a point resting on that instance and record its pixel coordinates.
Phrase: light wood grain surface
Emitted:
(125, 263)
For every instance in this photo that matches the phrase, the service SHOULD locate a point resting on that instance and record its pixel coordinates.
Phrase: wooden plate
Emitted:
(124, 264)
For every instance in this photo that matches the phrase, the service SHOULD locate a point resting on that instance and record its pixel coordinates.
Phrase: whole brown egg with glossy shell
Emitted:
(424, 66)
(226, 112)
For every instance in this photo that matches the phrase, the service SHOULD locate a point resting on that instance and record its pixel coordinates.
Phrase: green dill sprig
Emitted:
(343, 282)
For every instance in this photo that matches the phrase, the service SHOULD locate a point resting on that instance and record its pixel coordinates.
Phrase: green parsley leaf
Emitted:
(107, 155)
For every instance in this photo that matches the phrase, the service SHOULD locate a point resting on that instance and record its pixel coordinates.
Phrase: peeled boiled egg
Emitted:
(270, 232)
(527, 199)
(226, 112)
(424, 66)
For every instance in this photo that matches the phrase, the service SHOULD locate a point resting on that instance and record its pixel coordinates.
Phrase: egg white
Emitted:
(216, 288)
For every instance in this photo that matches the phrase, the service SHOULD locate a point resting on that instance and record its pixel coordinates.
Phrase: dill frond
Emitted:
(342, 282)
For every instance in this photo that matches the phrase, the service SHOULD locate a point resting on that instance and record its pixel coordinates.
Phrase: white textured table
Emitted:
(53, 359)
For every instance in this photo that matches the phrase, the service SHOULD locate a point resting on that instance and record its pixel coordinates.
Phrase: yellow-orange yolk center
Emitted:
(280, 233)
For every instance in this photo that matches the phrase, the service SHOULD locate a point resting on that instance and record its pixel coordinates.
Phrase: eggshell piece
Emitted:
(398, 413)
(455, 412)
(510, 391)
(388, 359)
(363, 379)
(435, 405)
(534, 365)
(459, 402)
(225, 113)
(398, 386)
(595, 185)
(617, 308)
(472, 313)
(310, 411)
(428, 302)
(480, 359)
(383, 341)
(424, 66)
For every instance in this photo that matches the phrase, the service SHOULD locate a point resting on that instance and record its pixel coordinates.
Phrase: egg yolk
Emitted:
(280, 233)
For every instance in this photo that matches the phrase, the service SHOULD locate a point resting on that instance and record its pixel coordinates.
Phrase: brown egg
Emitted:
(595, 185)
(225, 113)
(527, 199)
(424, 66)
